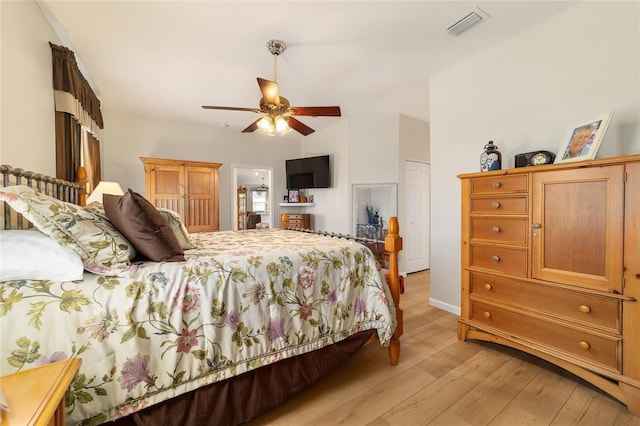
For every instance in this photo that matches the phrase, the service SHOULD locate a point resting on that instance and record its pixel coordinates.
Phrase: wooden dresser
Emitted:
(190, 188)
(299, 220)
(551, 266)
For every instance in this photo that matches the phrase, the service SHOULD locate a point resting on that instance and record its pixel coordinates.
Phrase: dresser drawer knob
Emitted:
(495, 205)
(497, 184)
(487, 314)
(496, 259)
(488, 286)
(496, 229)
(584, 344)
(537, 226)
(584, 308)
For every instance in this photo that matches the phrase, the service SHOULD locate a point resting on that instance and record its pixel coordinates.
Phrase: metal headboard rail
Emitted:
(57, 188)
(376, 246)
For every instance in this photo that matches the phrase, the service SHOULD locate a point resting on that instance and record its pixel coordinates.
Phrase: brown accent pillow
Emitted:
(141, 223)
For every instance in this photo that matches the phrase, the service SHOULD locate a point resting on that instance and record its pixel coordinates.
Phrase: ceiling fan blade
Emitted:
(318, 111)
(230, 108)
(299, 126)
(252, 127)
(269, 91)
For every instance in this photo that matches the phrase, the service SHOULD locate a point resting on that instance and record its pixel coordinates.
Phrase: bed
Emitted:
(216, 330)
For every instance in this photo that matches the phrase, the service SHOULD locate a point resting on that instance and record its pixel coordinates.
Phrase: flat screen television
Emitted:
(309, 172)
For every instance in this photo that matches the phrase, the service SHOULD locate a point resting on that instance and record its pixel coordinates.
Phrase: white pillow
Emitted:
(31, 255)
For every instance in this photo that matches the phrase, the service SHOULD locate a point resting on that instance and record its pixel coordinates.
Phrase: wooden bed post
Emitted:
(81, 179)
(393, 245)
(284, 221)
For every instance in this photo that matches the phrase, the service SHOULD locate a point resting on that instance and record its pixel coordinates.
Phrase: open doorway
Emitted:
(252, 204)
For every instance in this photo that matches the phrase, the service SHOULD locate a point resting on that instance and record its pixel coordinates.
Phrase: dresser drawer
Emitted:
(292, 216)
(499, 184)
(298, 224)
(581, 343)
(500, 229)
(509, 260)
(585, 308)
(500, 205)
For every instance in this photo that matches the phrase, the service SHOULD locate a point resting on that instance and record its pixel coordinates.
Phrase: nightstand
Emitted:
(36, 396)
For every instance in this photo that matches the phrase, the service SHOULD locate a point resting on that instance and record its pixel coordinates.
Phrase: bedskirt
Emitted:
(243, 398)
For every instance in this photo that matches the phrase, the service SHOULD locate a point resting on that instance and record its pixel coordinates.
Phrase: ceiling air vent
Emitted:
(467, 21)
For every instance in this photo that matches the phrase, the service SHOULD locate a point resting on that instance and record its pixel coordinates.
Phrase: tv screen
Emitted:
(309, 172)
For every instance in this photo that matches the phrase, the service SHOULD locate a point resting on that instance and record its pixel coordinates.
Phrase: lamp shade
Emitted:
(104, 187)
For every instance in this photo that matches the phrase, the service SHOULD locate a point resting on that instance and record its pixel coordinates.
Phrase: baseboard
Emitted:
(444, 306)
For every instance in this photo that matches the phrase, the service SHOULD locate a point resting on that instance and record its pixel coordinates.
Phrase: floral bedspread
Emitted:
(241, 300)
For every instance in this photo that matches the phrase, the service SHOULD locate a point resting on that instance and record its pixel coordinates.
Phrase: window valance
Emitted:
(73, 94)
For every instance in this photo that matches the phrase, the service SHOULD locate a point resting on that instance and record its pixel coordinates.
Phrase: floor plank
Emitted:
(443, 381)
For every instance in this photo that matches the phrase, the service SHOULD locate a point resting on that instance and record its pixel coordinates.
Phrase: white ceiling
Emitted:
(167, 58)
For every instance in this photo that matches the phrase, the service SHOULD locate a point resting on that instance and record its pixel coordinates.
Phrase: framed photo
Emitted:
(294, 196)
(582, 141)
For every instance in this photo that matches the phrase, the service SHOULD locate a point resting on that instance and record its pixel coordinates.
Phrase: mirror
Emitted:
(373, 204)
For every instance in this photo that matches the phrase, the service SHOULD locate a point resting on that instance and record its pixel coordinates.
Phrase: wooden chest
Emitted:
(551, 265)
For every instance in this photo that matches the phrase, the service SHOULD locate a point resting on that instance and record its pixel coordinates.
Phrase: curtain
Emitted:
(68, 139)
(78, 121)
(76, 95)
(91, 160)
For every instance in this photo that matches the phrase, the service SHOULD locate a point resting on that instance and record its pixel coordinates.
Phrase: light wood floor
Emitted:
(442, 381)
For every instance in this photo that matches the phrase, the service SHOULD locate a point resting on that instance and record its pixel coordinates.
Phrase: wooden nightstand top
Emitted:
(34, 395)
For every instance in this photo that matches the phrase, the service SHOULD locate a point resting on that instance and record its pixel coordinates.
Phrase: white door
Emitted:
(416, 231)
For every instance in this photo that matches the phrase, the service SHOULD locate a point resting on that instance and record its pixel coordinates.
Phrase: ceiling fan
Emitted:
(278, 114)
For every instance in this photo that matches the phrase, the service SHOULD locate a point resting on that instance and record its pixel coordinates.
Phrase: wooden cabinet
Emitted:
(36, 396)
(551, 265)
(188, 187)
(296, 220)
(241, 198)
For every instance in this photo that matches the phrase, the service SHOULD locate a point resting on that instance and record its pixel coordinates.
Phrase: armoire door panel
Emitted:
(576, 237)
(188, 187)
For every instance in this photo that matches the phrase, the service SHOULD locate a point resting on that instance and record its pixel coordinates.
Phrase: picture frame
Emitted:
(583, 141)
(294, 196)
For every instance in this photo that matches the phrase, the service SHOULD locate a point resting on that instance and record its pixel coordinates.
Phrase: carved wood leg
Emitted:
(463, 329)
(632, 396)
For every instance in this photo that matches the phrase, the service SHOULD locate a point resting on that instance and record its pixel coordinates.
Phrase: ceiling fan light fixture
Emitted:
(281, 124)
(265, 124)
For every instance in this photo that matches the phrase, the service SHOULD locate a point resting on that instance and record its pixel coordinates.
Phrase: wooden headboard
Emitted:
(71, 192)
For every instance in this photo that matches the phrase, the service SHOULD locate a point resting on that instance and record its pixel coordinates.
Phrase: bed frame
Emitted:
(72, 192)
(183, 408)
(392, 245)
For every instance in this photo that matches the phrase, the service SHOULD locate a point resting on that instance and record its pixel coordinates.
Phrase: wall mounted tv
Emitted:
(309, 172)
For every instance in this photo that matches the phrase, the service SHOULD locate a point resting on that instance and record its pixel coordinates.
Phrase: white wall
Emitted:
(525, 94)
(364, 149)
(26, 98)
(367, 149)
(328, 212)
(128, 137)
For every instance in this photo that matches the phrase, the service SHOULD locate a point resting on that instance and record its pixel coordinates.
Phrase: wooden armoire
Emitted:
(188, 187)
(551, 266)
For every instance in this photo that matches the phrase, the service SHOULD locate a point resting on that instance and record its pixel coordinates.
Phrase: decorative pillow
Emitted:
(178, 228)
(142, 224)
(97, 208)
(31, 255)
(101, 247)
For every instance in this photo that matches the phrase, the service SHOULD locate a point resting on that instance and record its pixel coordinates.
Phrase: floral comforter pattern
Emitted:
(241, 300)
